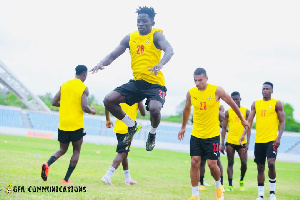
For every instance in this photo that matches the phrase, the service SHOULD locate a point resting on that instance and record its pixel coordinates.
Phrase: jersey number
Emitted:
(263, 113)
(162, 94)
(140, 49)
(237, 119)
(203, 105)
(216, 146)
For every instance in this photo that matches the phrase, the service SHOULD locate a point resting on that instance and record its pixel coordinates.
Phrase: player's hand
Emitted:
(222, 149)
(96, 68)
(109, 124)
(242, 139)
(276, 143)
(156, 69)
(181, 134)
(93, 110)
(246, 147)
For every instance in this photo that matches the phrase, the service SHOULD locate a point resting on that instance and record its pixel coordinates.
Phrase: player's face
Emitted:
(200, 81)
(144, 24)
(267, 91)
(236, 99)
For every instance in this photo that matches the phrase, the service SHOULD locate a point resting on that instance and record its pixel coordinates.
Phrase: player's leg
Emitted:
(271, 158)
(243, 157)
(202, 172)
(260, 159)
(219, 163)
(64, 142)
(195, 152)
(230, 157)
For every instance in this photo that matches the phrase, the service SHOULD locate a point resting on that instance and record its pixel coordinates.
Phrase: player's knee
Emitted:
(230, 162)
(271, 165)
(195, 163)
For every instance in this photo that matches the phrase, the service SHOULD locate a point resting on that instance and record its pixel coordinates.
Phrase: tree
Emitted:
(290, 123)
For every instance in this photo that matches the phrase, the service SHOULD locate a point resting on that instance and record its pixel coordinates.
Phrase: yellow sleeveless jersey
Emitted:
(131, 111)
(70, 111)
(266, 121)
(235, 126)
(206, 112)
(144, 55)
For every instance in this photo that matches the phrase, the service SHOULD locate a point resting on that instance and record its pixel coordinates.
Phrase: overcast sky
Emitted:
(240, 44)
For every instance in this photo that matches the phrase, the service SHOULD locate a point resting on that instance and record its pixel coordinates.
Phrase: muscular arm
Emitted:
(250, 121)
(84, 102)
(224, 128)
(119, 50)
(142, 108)
(281, 117)
(107, 117)
(185, 115)
(56, 99)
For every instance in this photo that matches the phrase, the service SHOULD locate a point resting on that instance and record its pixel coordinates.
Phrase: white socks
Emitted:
(127, 175)
(152, 130)
(110, 171)
(261, 191)
(129, 122)
(195, 191)
(272, 184)
(218, 183)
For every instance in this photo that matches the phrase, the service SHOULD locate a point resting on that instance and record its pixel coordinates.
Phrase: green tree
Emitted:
(290, 123)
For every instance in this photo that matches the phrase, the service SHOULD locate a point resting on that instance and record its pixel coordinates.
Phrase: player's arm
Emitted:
(281, 117)
(141, 108)
(250, 121)
(161, 43)
(185, 115)
(220, 93)
(84, 103)
(56, 99)
(249, 131)
(224, 130)
(107, 117)
(119, 50)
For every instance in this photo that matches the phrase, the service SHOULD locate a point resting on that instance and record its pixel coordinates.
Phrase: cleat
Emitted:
(66, 182)
(131, 132)
(223, 190)
(106, 180)
(242, 187)
(44, 172)
(150, 144)
(194, 198)
(219, 194)
(130, 182)
(206, 184)
(202, 187)
(272, 197)
(259, 198)
(229, 188)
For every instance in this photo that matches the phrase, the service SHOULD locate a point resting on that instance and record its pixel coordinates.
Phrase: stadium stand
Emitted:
(43, 121)
(11, 118)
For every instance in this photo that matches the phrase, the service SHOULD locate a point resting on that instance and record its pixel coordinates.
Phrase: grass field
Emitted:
(160, 174)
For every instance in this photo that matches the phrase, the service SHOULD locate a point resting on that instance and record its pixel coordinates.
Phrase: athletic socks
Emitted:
(127, 175)
(51, 160)
(129, 122)
(261, 190)
(218, 184)
(69, 172)
(272, 185)
(202, 180)
(152, 130)
(110, 171)
(221, 180)
(195, 191)
(241, 178)
(230, 181)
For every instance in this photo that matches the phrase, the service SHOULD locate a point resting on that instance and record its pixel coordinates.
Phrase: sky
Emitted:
(241, 44)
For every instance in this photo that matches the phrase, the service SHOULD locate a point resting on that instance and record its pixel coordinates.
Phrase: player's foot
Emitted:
(66, 182)
(219, 194)
(242, 187)
(130, 182)
(206, 184)
(44, 172)
(259, 198)
(229, 188)
(131, 132)
(106, 180)
(194, 198)
(150, 144)
(201, 187)
(272, 197)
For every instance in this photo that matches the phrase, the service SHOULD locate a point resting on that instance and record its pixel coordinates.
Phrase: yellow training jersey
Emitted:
(131, 111)
(70, 112)
(206, 112)
(235, 126)
(144, 55)
(266, 121)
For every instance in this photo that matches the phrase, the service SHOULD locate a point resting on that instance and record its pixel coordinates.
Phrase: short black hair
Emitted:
(146, 10)
(200, 71)
(268, 83)
(235, 93)
(80, 69)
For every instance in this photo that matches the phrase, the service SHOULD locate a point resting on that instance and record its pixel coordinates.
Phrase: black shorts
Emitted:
(136, 91)
(70, 136)
(235, 147)
(121, 147)
(263, 150)
(208, 148)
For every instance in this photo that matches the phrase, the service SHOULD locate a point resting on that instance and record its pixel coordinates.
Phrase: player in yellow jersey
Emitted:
(269, 115)
(72, 98)
(233, 140)
(145, 47)
(205, 136)
(123, 149)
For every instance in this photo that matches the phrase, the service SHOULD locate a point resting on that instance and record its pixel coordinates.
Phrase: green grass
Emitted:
(160, 174)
